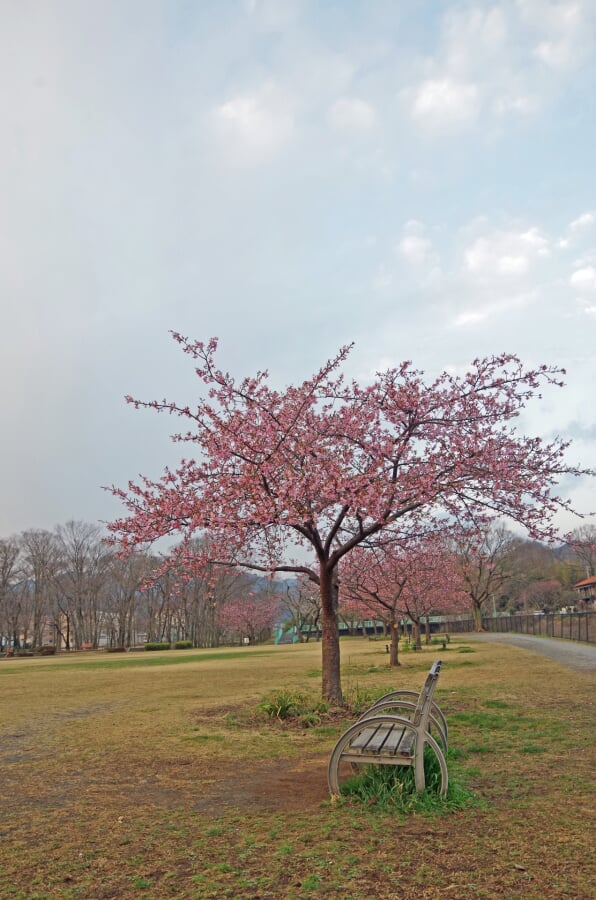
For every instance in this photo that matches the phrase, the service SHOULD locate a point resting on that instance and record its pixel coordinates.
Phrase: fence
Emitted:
(573, 626)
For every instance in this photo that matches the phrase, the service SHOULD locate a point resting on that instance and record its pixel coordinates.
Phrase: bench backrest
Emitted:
(425, 697)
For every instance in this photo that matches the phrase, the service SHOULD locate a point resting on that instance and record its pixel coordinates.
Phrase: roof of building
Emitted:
(587, 582)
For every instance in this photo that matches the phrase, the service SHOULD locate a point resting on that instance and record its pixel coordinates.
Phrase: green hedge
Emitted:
(183, 645)
(158, 645)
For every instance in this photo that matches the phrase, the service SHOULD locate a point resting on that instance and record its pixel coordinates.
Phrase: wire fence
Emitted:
(572, 626)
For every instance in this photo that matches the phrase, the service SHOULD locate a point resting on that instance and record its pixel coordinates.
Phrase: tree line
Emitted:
(68, 588)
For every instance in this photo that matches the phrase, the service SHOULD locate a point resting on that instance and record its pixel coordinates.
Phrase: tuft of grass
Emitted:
(392, 788)
(288, 704)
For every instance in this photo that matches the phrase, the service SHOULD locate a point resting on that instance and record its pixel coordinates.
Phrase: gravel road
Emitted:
(569, 653)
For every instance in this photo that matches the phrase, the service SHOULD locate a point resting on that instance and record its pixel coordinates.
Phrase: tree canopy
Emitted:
(330, 463)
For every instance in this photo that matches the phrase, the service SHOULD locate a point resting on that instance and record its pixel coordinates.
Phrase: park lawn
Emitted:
(152, 776)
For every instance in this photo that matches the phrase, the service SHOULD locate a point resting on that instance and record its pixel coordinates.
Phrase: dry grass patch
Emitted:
(133, 778)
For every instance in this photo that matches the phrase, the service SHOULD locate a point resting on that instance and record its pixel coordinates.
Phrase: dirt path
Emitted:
(569, 653)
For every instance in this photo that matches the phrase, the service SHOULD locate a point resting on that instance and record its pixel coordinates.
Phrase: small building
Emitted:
(587, 591)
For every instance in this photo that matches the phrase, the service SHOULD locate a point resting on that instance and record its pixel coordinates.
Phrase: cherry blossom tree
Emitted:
(329, 463)
(546, 595)
(397, 579)
(250, 616)
(433, 583)
(372, 576)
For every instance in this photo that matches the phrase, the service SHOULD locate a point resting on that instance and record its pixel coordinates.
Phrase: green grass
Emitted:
(137, 660)
(393, 788)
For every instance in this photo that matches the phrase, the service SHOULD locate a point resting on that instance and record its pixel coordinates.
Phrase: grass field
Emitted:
(153, 776)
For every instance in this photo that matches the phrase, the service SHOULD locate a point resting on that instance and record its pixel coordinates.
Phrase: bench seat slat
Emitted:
(385, 739)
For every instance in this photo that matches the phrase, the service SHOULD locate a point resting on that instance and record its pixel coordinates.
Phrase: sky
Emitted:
(290, 176)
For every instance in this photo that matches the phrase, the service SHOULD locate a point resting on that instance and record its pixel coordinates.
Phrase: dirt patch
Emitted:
(269, 786)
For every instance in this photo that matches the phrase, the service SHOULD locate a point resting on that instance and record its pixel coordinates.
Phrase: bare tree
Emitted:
(302, 601)
(484, 557)
(583, 543)
(42, 559)
(10, 600)
(82, 578)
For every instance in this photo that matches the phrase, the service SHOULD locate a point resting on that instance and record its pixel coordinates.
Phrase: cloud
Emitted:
(443, 103)
(472, 35)
(561, 29)
(415, 249)
(272, 15)
(505, 253)
(351, 114)
(586, 220)
(584, 279)
(472, 317)
(414, 246)
(253, 127)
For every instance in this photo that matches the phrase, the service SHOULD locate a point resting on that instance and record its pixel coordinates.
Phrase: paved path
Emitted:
(569, 653)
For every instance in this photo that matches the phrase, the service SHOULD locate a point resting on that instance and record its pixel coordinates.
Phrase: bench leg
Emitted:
(419, 777)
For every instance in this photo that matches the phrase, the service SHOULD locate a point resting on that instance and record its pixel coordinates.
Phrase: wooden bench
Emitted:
(394, 731)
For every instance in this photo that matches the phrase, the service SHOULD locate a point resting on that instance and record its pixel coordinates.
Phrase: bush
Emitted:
(283, 704)
(116, 649)
(287, 704)
(47, 650)
(158, 645)
(183, 645)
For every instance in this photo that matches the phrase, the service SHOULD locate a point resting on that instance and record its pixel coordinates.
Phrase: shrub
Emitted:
(183, 645)
(283, 704)
(158, 645)
(287, 704)
(47, 650)
(116, 649)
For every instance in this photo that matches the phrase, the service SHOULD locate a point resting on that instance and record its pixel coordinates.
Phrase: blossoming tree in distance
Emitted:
(409, 578)
(328, 464)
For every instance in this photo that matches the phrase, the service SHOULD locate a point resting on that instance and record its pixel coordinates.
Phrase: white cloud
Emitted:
(415, 249)
(351, 114)
(505, 253)
(470, 35)
(584, 279)
(470, 318)
(415, 246)
(254, 127)
(522, 104)
(443, 103)
(564, 41)
(534, 239)
(584, 221)
(273, 15)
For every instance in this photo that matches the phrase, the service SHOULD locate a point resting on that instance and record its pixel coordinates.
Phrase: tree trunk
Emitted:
(416, 634)
(477, 615)
(427, 630)
(329, 587)
(394, 645)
